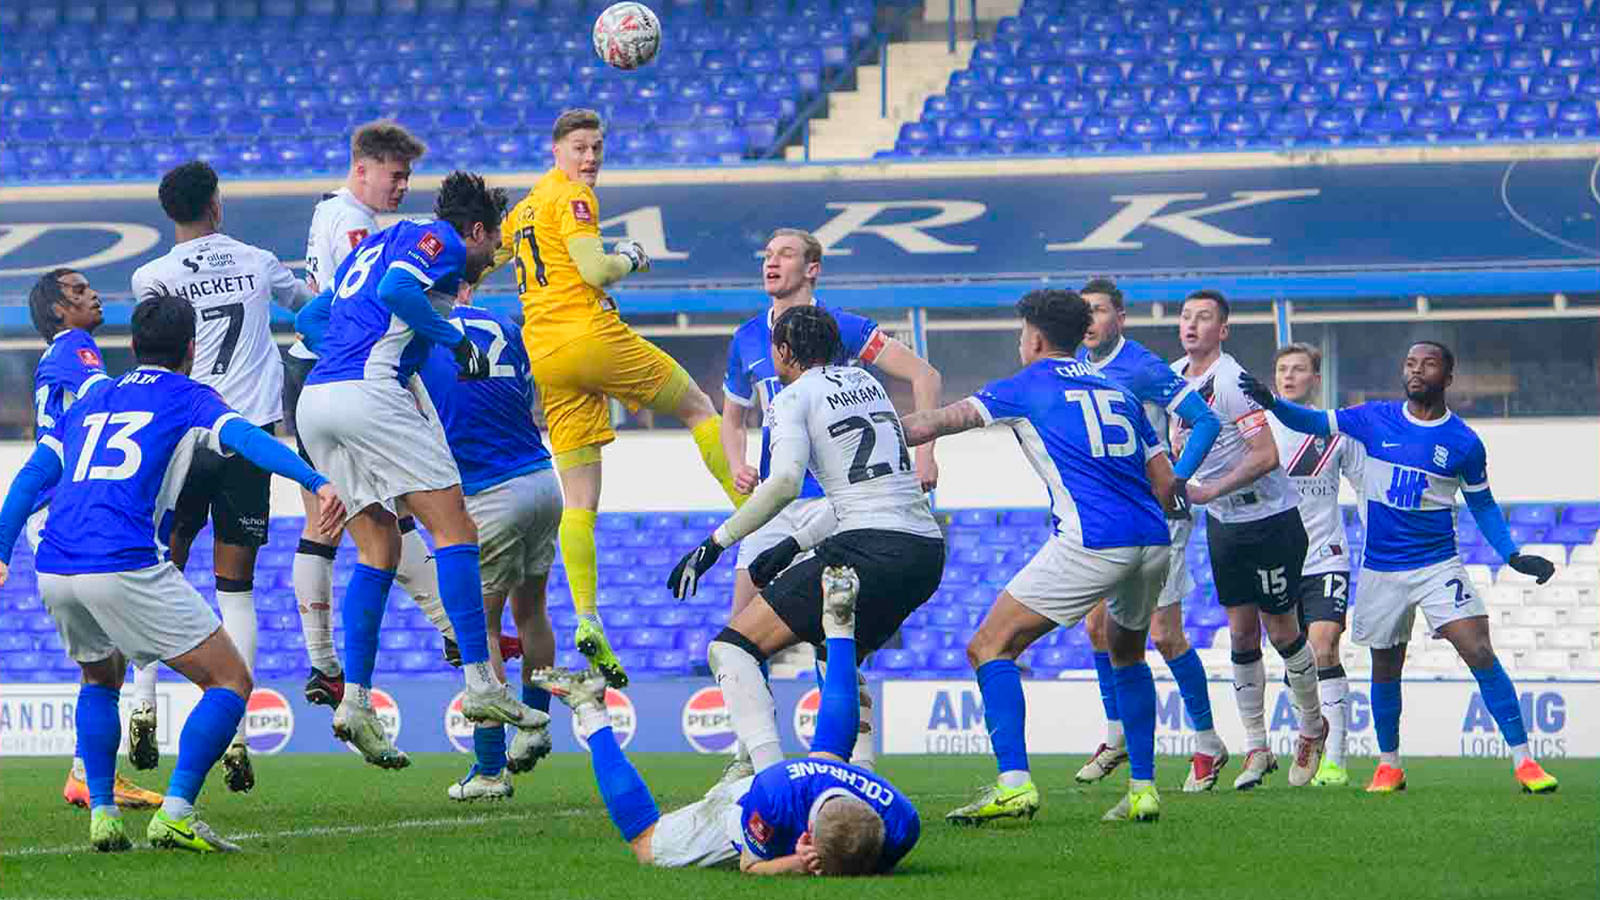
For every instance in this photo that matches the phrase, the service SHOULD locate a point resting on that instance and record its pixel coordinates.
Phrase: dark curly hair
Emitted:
(464, 199)
(43, 298)
(187, 191)
(811, 335)
(1062, 316)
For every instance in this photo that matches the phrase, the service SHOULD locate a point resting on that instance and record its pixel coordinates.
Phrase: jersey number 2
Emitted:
(121, 441)
(862, 468)
(497, 345)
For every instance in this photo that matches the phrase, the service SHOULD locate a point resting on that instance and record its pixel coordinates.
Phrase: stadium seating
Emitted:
(1552, 629)
(125, 88)
(1170, 75)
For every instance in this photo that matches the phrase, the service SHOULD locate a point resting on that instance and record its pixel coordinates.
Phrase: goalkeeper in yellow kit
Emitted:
(581, 353)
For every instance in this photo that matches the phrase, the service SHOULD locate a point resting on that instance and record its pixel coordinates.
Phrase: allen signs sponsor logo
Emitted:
(456, 726)
(706, 723)
(624, 722)
(805, 716)
(269, 721)
(388, 713)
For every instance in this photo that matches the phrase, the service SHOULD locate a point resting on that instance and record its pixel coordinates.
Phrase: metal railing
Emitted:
(972, 15)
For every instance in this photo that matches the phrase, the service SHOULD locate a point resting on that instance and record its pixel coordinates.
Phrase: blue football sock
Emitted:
(1108, 685)
(99, 736)
(1190, 673)
(1005, 711)
(489, 746)
(461, 592)
(1500, 696)
(536, 697)
(839, 714)
(626, 796)
(364, 600)
(207, 733)
(1136, 697)
(1386, 714)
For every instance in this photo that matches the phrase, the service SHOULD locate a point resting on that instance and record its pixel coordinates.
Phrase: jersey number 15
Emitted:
(1097, 414)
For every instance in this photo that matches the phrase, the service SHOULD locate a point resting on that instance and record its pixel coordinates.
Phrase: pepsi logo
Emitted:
(624, 722)
(388, 713)
(456, 726)
(805, 716)
(269, 721)
(707, 724)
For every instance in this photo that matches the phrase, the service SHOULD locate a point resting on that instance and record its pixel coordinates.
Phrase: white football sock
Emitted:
(1518, 754)
(1114, 736)
(1389, 758)
(591, 717)
(749, 700)
(481, 677)
(1250, 693)
(1209, 743)
(77, 769)
(1300, 669)
(1336, 709)
(417, 576)
(865, 754)
(313, 591)
(176, 807)
(238, 610)
(144, 685)
(1015, 778)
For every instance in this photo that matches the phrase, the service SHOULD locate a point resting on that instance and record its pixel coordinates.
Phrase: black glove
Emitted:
(471, 360)
(1256, 391)
(685, 577)
(769, 562)
(1180, 501)
(1540, 568)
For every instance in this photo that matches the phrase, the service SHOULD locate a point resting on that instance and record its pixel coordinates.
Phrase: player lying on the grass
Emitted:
(817, 816)
(1103, 467)
(1314, 464)
(838, 422)
(66, 310)
(1164, 394)
(1419, 453)
(583, 355)
(116, 459)
(790, 266)
(515, 500)
(360, 422)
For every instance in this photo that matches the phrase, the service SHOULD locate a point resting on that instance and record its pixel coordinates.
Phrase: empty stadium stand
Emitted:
(1550, 630)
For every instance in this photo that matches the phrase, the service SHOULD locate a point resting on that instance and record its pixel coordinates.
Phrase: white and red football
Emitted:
(627, 35)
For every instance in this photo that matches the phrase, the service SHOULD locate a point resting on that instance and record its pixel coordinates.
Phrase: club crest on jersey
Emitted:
(581, 211)
(357, 235)
(430, 245)
(1440, 455)
(757, 828)
(89, 358)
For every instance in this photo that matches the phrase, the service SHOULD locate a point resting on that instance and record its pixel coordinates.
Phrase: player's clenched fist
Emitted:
(634, 251)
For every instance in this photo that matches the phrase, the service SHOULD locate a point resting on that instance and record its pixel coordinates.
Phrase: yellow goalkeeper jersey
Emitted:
(558, 306)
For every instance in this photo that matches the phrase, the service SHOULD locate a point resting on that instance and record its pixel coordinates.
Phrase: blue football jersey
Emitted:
(1088, 439)
(1409, 482)
(489, 422)
(365, 339)
(752, 378)
(778, 807)
(1146, 376)
(68, 368)
(125, 451)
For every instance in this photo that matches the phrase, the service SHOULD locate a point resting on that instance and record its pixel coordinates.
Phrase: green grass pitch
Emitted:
(329, 828)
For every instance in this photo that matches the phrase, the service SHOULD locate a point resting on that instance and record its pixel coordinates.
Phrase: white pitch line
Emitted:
(324, 830)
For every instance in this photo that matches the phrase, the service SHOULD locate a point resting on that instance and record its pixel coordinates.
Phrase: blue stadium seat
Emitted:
(1475, 63)
(1122, 101)
(1310, 95)
(1169, 100)
(1382, 123)
(1264, 96)
(1405, 92)
(1193, 127)
(1453, 90)
(1477, 120)
(1287, 125)
(1054, 134)
(1356, 93)
(1525, 117)
(1451, 36)
(1429, 121)
(1194, 70)
(1217, 97)
(1382, 66)
(1144, 128)
(1500, 89)
(1217, 44)
(1577, 118)
(1334, 124)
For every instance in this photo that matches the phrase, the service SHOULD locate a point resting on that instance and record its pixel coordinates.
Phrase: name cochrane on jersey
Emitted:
(212, 287)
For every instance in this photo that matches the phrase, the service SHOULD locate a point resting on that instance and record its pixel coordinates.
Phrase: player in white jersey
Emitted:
(838, 422)
(1314, 463)
(1256, 539)
(381, 156)
(232, 286)
(790, 266)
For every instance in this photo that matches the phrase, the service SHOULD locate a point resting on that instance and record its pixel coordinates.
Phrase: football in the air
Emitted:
(627, 35)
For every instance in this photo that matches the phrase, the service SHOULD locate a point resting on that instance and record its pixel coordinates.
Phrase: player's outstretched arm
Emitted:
(922, 427)
(1492, 524)
(1296, 417)
(899, 361)
(265, 452)
(1204, 425)
(40, 473)
(769, 498)
(601, 269)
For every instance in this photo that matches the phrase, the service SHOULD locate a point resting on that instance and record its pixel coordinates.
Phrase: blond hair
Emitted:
(386, 140)
(809, 240)
(848, 835)
(575, 120)
(1312, 353)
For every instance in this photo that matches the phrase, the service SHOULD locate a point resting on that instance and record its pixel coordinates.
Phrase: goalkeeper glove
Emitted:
(769, 562)
(1540, 568)
(471, 359)
(634, 251)
(1256, 391)
(685, 577)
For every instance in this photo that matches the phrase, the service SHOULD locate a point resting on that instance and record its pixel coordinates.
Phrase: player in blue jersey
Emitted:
(1103, 467)
(66, 310)
(791, 264)
(817, 816)
(360, 421)
(1419, 453)
(514, 498)
(118, 458)
(1164, 393)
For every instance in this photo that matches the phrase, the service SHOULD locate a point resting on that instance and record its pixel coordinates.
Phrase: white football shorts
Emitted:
(1386, 606)
(1064, 581)
(148, 614)
(517, 522)
(706, 833)
(1178, 583)
(788, 522)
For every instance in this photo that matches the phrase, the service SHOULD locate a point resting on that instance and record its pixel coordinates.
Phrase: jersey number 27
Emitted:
(862, 468)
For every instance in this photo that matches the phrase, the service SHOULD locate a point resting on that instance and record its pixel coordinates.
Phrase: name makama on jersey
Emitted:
(1089, 440)
(1409, 481)
(232, 286)
(68, 368)
(752, 378)
(339, 225)
(1242, 418)
(839, 421)
(365, 339)
(487, 422)
(125, 451)
(558, 306)
(783, 799)
(1146, 376)
(1314, 464)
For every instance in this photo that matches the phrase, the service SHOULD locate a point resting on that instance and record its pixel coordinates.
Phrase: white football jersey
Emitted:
(339, 223)
(232, 286)
(1314, 464)
(1242, 419)
(839, 420)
